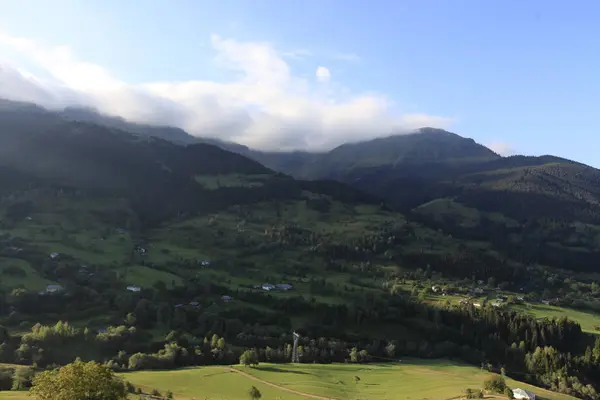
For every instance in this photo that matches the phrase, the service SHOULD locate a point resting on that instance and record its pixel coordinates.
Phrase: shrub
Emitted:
(495, 384)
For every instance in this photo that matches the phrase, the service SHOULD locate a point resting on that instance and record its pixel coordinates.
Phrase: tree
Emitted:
(254, 393)
(79, 380)
(22, 378)
(509, 393)
(249, 357)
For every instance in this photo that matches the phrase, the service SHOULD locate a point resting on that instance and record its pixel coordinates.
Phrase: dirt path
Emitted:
(254, 378)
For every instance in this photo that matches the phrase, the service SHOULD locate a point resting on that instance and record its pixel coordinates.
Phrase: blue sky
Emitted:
(520, 75)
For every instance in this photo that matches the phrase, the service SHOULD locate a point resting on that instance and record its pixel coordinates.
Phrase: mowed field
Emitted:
(410, 379)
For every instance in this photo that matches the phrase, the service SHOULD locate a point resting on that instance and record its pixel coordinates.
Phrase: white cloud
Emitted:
(323, 74)
(502, 148)
(266, 106)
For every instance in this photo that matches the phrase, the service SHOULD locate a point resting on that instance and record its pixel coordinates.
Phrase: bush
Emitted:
(509, 393)
(495, 384)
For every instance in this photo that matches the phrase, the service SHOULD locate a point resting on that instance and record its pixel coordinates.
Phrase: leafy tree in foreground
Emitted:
(254, 393)
(79, 380)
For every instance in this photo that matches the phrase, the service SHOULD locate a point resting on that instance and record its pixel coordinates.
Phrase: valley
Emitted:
(143, 254)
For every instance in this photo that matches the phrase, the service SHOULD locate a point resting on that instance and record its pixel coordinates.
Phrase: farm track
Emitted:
(254, 378)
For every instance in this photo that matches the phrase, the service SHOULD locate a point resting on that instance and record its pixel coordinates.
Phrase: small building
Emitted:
(478, 290)
(546, 302)
(205, 263)
(435, 289)
(54, 255)
(53, 288)
(284, 286)
(480, 282)
(133, 288)
(478, 305)
(495, 304)
(268, 287)
(523, 394)
(194, 303)
(178, 305)
(226, 298)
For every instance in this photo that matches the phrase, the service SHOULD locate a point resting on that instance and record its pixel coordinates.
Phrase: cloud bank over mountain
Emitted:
(265, 106)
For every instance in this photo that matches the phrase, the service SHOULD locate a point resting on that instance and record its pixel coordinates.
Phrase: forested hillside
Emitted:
(162, 255)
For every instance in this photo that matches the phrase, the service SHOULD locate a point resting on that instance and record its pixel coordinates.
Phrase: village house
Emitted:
(435, 289)
(205, 263)
(133, 288)
(54, 255)
(53, 288)
(268, 287)
(284, 287)
(478, 290)
(226, 298)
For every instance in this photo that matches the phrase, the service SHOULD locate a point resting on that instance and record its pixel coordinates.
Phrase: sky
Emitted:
(518, 76)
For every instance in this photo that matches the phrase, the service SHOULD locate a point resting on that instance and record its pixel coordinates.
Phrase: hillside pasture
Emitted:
(410, 379)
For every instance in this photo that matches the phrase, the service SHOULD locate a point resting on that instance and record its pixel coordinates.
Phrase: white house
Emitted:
(268, 287)
(205, 263)
(523, 394)
(133, 288)
(54, 255)
(53, 288)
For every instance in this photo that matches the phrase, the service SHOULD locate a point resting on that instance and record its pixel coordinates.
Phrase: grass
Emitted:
(29, 278)
(9, 395)
(204, 383)
(411, 379)
(146, 277)
(587, 320)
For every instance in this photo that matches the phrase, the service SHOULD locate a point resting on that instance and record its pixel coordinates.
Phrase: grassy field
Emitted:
(587, 320)
(27, 277)
(411, 379)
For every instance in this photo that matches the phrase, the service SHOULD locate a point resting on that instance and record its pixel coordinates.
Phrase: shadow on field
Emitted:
(275, 369)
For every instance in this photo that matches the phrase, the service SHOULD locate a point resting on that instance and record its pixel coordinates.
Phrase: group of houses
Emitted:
(267, 287)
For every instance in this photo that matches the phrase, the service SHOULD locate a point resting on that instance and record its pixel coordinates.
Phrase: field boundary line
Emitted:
(285, 389)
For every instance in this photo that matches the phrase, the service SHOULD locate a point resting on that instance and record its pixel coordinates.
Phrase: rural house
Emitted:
(226, 298)
(133, 288)
(53, 288)
(284, 286)
(54, 255)
(268, 287)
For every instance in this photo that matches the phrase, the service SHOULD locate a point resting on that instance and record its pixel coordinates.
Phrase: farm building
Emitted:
(268, 287)
(523, 394)
(133, 288)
